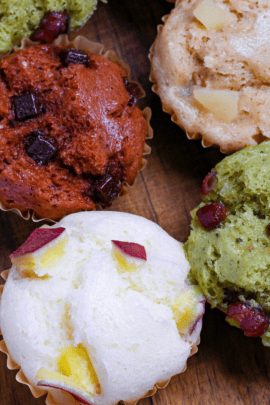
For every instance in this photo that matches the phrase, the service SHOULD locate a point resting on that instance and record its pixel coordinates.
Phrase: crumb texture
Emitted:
(234, 258)
(70, 136)
(187, 56)
(18, 19)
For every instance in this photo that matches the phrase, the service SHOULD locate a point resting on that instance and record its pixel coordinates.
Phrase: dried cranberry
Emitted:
(209, 182)
(251, 320)
(51, 25)
(210, 215)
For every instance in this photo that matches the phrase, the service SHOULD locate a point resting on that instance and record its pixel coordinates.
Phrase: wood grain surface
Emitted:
(228, 368)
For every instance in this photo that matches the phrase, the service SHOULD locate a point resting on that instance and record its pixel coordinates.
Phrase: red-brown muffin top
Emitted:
(70, 132)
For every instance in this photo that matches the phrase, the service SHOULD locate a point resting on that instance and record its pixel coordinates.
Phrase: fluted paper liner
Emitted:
(168, 108)
(50, 400)
(84, 44)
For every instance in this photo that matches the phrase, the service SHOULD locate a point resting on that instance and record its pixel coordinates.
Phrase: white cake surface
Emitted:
(124, 319)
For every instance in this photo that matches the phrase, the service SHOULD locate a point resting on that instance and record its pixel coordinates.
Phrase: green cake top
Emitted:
(233, 259)
(243, 178)
(19, 18)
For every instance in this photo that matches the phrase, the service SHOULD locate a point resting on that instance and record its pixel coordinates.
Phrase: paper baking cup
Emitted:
(84, 44)
(197, 121)
(168, 108)
(57, 397)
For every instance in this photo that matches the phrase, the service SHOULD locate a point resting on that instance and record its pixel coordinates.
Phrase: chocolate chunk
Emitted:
(75, 56)
(26, 106)
(41, 148)
(134, 91)
(51, 25)
(104, 189)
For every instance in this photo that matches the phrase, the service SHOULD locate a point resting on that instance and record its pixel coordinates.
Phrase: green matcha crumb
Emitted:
(19, 18)
(236, 255)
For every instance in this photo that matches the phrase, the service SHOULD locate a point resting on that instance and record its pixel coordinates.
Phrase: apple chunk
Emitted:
(212, 16)
(128, 254)
(222, 103)
(75, 375)
(41, 249)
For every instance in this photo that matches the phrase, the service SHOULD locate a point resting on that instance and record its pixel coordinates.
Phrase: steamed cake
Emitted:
(18, 19)
(231, 262)
(72, 135)
(210, 63)
(134, 318)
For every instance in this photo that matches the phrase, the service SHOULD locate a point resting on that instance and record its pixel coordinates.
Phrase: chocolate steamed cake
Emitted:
(70, 132)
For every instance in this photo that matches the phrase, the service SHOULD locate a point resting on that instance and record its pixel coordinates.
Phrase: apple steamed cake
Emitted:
(71, 133)
(229, 250)
(98, 305)
(210, 63)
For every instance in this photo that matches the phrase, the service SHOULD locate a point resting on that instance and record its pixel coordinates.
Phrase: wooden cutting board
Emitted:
(228, 368)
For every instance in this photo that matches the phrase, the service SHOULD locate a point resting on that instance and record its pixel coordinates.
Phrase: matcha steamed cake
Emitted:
(229, 245)
(19, 18)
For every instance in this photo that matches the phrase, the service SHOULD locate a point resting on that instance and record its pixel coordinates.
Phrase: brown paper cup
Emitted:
(84, 44)
(57, 397)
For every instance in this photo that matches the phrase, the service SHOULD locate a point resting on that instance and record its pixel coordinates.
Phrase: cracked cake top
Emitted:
(210, 62)
(71, 134)
(120, 316)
